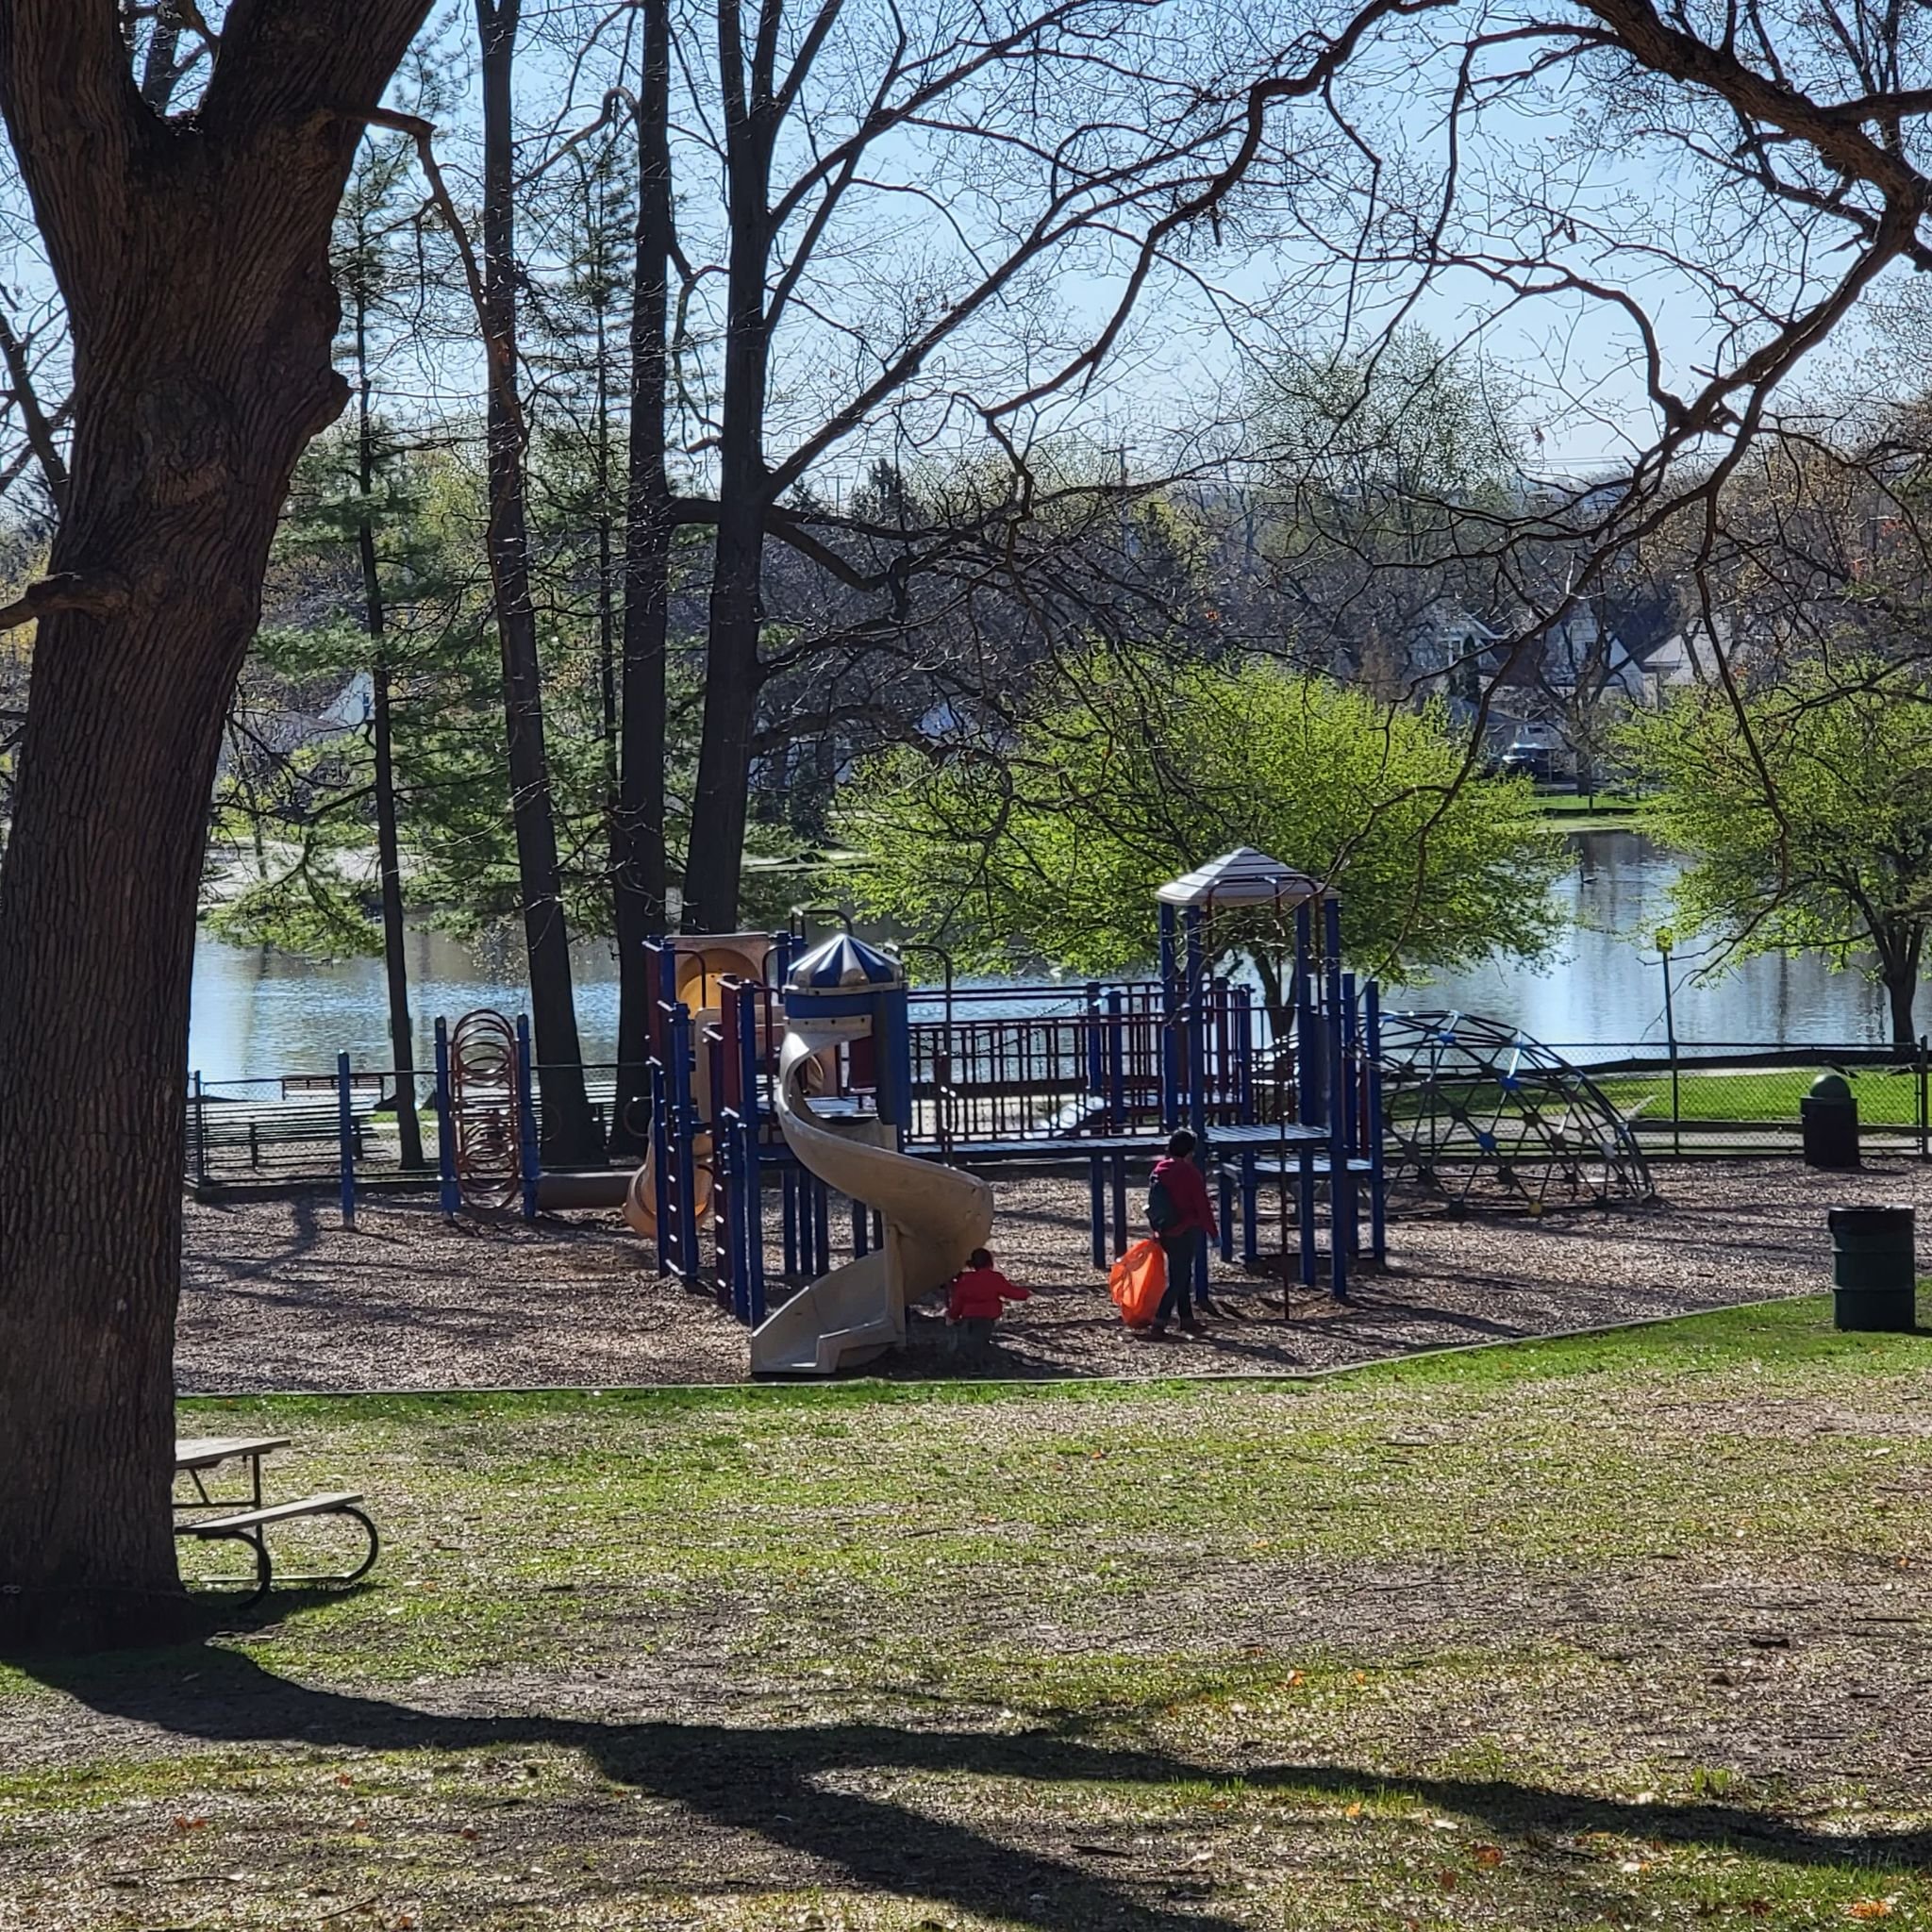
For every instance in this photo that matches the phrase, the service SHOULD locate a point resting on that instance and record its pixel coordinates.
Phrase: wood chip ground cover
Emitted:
(1624, 1631)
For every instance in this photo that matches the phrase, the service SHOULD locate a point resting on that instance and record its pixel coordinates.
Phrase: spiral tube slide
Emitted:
(933, 1217)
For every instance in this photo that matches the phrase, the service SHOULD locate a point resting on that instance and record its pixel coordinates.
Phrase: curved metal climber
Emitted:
(483, 1100)
(1480, 1113)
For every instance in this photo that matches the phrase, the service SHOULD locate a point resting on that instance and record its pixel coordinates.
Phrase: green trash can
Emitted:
(1828, 1121)
(1874, 1274)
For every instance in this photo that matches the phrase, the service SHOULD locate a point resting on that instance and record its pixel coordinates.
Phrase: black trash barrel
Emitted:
(1828, 1116)
(1874, 1273)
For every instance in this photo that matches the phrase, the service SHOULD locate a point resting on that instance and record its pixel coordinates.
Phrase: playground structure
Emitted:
(1480, 1112)
(915, 1222)
(776, 1076)
(699, 973)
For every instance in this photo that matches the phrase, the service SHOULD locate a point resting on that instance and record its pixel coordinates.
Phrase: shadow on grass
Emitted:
(780, 1784)
(792, 1785)
(1513, 1809)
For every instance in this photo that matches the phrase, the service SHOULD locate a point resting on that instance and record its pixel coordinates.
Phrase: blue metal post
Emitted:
(448, 1190)
(684, 1127)
(661, 1140)
(1096, 1049)
(1334, 1021)
(1196, 1010)
(1304, 1214)
(1244, 1054)
(896, 1020)
(821, 1228)
(529, 1164)
(794, 1265)
(1351, 1112)
(750, 1181)
(1096, 1207)
(1307, 1063)
(1372, 1124)
(1116, 1063)
(346, 1124)
(1170, 1020)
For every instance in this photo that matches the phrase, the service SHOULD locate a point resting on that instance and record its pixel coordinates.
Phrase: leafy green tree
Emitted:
(1053, 843)
(1805, 813)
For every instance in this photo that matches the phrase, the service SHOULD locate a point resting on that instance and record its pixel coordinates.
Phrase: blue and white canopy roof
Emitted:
(1242, 878)
(842, 961)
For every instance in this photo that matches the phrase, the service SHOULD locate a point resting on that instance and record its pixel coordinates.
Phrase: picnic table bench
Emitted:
(246, 1520)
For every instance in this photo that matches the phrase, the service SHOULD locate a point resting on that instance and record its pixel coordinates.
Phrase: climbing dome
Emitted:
(1479, 1113)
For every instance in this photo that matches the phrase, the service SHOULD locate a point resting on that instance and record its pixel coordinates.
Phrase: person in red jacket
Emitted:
(1182, 1217)
(973, 1303)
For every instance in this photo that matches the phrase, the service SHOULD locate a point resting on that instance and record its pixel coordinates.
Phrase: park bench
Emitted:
(195, 1455)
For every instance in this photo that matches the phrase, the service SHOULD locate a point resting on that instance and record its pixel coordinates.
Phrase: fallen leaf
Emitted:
(190, 1824)
(1487, 1856)
(1353, 1810)
(1869, 1908)
(1446, 1879)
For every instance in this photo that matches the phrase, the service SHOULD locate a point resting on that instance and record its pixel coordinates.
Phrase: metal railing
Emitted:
(981, 1080)
(288, 1128)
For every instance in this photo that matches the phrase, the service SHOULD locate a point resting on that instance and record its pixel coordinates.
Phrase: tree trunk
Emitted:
(714, 868)
(639, 864)
(1899, 966)
(401, 1039)
(568, 1132)
(191, 406)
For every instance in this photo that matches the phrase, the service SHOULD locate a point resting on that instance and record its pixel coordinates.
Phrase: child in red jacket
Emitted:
(973, 1303)
(1182, 1217)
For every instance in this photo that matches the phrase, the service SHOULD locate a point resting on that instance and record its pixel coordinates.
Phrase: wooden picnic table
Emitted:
(247, 1519)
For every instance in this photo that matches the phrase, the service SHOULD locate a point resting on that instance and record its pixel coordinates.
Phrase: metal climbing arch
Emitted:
(1479, 1113)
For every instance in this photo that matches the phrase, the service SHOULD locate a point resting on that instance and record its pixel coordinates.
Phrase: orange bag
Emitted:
(1138, 1281)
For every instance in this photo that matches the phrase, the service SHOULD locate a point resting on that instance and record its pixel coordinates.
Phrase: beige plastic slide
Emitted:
(933, 1217)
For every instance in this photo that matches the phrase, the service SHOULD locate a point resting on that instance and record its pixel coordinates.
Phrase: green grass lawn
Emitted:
(1766, 1093)
(1624, 1631)
(1886, 1098)
(1607, 811)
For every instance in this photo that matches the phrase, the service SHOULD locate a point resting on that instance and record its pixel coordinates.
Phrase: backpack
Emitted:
(1162, 1213)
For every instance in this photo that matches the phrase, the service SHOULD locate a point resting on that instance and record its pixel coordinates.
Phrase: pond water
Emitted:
(258, 1012)
(1605, 984)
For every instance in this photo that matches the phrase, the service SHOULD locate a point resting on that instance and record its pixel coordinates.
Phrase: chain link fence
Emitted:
(1743, 1098)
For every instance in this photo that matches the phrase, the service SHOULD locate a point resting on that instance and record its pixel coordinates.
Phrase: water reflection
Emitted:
(1606, 983)
(259, 1011)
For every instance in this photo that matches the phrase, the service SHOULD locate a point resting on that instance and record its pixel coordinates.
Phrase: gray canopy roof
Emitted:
(1242, 878)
